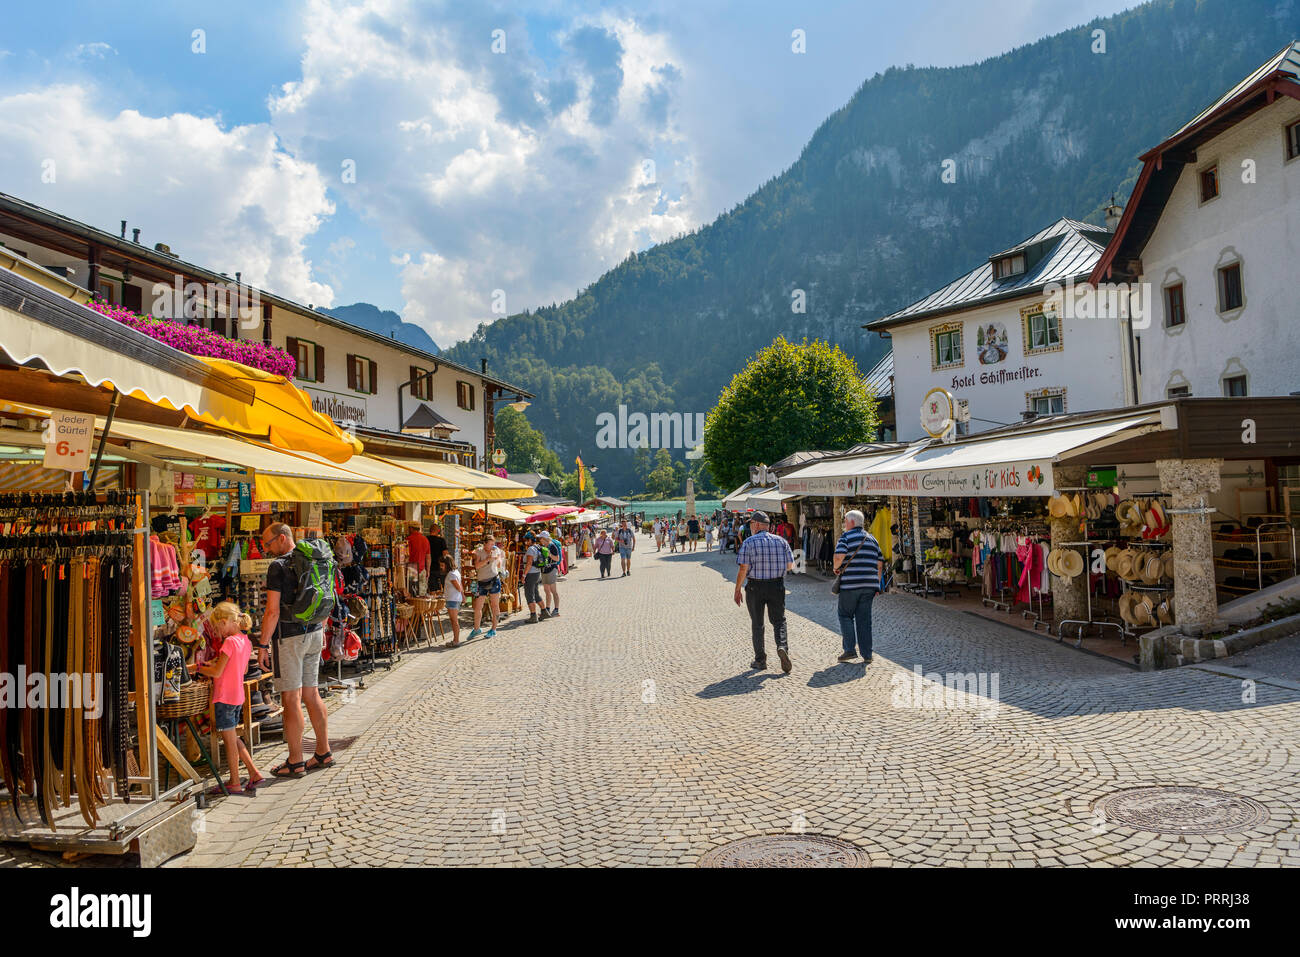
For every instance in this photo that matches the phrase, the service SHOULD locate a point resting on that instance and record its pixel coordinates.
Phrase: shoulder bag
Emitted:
(835, 585)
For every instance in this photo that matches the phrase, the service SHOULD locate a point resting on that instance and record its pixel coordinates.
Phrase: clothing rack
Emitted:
(75, 599)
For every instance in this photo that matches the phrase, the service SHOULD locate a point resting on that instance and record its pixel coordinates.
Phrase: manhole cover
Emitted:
(786, 850)
(1181, 810)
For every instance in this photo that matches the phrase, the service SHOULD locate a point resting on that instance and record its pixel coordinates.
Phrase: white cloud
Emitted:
(93, 51)
(228, 199)
(496, 171)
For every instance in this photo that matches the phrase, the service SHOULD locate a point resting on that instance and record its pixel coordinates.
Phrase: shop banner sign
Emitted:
(68, 438)
(818, 486)
(1007, 480)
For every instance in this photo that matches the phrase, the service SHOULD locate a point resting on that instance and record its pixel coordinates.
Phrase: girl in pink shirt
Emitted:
(227, 672)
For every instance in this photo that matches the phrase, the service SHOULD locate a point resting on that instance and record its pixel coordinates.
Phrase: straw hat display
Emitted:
(1065, 563)
(1112, 558)
(1057, 506)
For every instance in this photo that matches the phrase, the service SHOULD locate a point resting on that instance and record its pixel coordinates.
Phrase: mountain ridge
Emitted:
(385, 322)
(863, 224)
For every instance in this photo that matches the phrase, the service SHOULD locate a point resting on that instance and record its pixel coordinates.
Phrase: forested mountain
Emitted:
(863, 222)
(385, 322)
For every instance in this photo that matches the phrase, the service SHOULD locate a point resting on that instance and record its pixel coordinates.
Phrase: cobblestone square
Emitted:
(631, 732)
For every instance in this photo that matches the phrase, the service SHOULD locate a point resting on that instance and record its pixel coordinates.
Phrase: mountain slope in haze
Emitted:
(863, 223)
(385, 322)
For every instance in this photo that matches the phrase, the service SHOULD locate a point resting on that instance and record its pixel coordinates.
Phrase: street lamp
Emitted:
(516, 402)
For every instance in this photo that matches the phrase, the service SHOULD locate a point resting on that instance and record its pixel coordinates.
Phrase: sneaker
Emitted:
(475, 633)
(866, 661)
(543, 615)
(847, 656)
(758, 664)
(492, 633)
(785, 660)
(555, 613)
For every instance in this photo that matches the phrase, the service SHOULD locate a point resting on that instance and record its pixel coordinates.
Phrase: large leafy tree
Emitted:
(525, 447)
(789, 397)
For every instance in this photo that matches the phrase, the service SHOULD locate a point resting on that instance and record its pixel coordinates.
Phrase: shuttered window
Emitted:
(310, 358)
(362, 374)
(421, 387)
(465, 396)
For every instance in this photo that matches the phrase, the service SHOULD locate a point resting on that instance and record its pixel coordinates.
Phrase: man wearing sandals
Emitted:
(296, 653)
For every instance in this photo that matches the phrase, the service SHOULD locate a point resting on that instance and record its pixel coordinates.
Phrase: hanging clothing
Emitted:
(881, 531)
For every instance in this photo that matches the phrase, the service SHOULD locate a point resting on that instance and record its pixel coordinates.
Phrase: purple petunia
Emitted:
(197, 341)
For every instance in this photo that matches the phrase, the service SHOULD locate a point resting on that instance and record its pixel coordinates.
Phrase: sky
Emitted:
(452, 162)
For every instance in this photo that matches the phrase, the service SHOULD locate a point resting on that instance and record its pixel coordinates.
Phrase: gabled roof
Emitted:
(1162, 166)
(424, 417)
(1067, 249)
(881, 378)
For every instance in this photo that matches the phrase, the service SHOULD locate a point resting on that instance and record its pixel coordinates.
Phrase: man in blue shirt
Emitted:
(859, 564)
(764, 559)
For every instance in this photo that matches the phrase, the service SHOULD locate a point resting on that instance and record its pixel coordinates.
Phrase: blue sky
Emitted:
(482, 175)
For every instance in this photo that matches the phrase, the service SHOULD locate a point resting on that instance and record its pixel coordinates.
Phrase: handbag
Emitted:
(835, 585)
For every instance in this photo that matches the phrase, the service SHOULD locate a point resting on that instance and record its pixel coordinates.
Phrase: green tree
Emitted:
(789, 397)
(525, 447)
(662, 482)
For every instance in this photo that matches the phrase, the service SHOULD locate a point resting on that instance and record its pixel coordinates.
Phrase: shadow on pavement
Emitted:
(740, 684)
(837, 674)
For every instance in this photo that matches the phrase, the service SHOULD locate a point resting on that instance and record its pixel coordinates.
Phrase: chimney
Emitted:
(135, 235)
(124, 229)
(239, 281)
(1028, 416)
(484, 361)
(1113, 213)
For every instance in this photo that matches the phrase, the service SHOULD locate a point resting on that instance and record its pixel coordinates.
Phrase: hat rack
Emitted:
(1085, 543)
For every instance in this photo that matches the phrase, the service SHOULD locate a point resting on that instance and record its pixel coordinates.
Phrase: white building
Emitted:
(997, 340)
(386, 390)
(1213, 226)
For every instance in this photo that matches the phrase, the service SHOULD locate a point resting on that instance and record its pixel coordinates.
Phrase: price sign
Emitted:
(68, 438)
(250, 523)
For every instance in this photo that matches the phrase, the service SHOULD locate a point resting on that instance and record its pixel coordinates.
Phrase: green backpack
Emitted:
(313, 565)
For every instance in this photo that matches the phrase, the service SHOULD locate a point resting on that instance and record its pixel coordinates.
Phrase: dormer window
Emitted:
(1008, 266)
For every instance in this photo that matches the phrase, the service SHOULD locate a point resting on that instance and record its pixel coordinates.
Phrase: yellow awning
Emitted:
(500, 510)
(400, 484)
(278, 476)
(280, 413)
(481, 486)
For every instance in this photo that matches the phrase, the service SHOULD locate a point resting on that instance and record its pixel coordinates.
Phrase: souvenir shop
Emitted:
(1101, 527)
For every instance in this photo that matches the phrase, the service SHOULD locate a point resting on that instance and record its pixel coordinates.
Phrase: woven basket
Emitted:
(195, 699)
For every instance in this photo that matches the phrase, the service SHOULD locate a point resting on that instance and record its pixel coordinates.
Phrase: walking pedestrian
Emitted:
(295, 638)
(549, 562)
(764, 559)
(453, 594)
(626, 539)
(693, 531)
(604, 552)
(681, 534)
(860, 567)
(487, 585)
(532, 577)
(708, 535)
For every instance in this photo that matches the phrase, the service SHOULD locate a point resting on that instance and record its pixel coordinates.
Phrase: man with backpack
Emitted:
(299, 599)
(549, 563)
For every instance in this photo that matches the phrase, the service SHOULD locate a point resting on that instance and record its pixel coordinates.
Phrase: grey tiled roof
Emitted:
(881, 378)
(1075, 249)
(1286, 61)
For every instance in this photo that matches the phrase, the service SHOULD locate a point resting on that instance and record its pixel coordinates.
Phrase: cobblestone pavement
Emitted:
(630, 731)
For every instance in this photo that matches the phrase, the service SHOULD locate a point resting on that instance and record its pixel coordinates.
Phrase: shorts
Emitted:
(531, 595)
(625, 554)
(453, 605)
(490, 587)
(295, 661)
(551, 577)
(227, 715)
(681, 539)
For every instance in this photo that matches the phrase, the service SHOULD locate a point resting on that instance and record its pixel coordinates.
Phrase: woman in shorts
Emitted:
(453, 593)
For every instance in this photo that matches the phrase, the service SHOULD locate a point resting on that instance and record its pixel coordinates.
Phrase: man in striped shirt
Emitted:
(859, 563)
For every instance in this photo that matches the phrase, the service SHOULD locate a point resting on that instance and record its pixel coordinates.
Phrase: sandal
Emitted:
(325, 760)
(289, 769)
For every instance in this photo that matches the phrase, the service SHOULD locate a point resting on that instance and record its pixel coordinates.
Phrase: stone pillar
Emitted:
(1189, 483)
(1069, 595)
(690, 497)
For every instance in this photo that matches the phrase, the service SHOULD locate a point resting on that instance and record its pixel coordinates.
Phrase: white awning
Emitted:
(833, 477)
(1004, 465)
(737, 499)
(770, 499)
